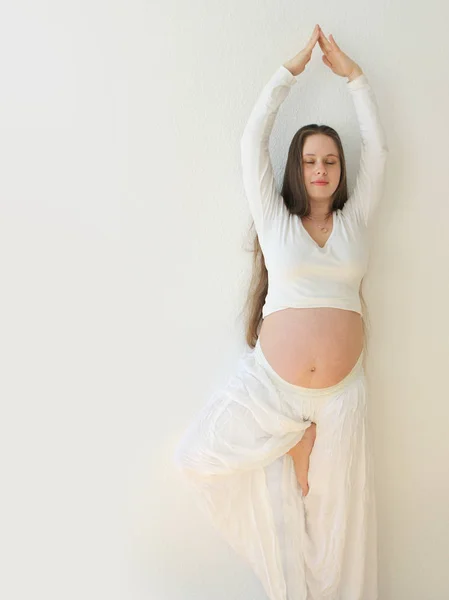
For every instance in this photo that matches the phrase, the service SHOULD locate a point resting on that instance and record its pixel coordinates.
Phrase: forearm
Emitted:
(353, 75)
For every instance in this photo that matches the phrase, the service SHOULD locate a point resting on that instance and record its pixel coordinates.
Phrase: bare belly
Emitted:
(312, 347)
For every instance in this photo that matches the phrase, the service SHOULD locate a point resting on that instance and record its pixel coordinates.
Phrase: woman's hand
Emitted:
(298, 63)
(336, 59)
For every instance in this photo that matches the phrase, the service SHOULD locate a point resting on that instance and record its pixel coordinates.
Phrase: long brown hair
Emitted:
(295, 198)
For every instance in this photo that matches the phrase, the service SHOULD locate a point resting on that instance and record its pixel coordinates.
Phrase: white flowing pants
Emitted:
(322, 546)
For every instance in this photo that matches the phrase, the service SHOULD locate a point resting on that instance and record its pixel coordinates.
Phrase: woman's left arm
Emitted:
(368, 188)
(362, 203)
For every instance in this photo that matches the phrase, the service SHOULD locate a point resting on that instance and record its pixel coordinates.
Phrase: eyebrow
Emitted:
(311, 154)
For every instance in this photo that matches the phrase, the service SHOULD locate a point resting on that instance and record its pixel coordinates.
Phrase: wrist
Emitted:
(356, 72)
(288, 65)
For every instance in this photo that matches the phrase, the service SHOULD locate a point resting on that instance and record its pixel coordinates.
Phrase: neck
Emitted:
(319, 213)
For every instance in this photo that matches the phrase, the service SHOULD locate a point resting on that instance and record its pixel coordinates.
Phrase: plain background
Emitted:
(123, 229)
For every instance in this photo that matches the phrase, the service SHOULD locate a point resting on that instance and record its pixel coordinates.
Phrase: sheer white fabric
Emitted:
(233, 455)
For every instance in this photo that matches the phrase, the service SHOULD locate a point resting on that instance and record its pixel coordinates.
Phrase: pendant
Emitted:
(325, 230)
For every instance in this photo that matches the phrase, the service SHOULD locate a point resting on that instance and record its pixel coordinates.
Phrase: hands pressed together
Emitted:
(333, 57)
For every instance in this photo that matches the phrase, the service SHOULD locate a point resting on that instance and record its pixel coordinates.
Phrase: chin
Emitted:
(322, 195)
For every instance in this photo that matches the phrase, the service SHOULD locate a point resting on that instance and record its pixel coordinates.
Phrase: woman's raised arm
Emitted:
(367, 193)
(265, 202)
(363, 201)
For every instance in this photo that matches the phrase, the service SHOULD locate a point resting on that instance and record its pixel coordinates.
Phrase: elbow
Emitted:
(250, 134)
(244, 138)
(382, 148)
(246, 144)
(384, 143)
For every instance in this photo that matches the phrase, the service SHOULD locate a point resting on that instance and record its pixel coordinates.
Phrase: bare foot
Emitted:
(301, 455)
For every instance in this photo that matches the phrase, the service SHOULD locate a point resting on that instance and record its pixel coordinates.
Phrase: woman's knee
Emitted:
(195, 451)
(186, 455)
(218, 438)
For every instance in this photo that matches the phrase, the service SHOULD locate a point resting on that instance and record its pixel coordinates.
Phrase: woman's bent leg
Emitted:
(234, 456)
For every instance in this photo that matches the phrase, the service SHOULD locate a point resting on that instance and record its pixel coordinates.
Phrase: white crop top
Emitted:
(300, 272)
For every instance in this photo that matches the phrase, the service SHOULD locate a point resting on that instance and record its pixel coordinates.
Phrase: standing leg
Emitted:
(341, 557)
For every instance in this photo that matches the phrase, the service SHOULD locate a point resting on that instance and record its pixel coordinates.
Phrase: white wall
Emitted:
(123, 227)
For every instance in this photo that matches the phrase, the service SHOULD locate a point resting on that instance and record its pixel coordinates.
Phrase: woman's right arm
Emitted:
(265, 202)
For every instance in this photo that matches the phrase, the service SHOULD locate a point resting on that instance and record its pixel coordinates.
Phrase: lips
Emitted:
(320, 182)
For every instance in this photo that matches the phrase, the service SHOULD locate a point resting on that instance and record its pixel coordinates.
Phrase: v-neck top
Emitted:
(302, 274)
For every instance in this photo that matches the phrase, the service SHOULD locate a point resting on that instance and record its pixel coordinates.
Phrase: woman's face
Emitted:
(321, 161)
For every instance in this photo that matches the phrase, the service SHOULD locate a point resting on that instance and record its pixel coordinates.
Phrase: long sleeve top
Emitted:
(300, 272)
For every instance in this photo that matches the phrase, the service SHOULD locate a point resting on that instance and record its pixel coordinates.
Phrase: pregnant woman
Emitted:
(280, 458)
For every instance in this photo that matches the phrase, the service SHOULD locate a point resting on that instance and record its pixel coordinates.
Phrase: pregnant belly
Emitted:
(312, 347)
